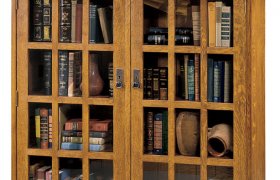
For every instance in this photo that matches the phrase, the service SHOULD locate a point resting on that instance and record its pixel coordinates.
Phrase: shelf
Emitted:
(70, 153)
(219, 106)
(70, 46)
(39, 99)
(101, 47)
(39, 152)
(155, 158)
(39, 45)
(155, 48)
(70, 100)
(156, 103)
(188, 49)
(100, 101)
(187, 104)
(101, 155)
(220, 50)
(220, 162)
(187, 160)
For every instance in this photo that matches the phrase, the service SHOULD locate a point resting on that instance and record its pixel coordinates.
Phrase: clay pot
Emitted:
(95, 81)
(220, 140)
(187, 133)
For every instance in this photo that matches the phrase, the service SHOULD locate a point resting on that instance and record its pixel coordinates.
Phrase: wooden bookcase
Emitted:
(129, 49)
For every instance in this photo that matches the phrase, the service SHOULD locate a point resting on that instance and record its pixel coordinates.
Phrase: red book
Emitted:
(73, 125)
(44, 128)
(197, 77)
(79, 22)
(100, 125)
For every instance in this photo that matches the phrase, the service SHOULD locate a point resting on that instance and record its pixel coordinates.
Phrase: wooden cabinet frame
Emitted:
(249, 97)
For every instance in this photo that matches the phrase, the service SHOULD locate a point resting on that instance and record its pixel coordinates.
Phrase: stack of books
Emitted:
(40, 171)
(100, 135)
(71, 136)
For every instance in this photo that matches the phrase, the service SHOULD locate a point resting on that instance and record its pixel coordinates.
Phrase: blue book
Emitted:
(222, 69)
(64, 174)
(71, 146)
(99, 147)
(218, 81)
(191, 88)
(210, 80)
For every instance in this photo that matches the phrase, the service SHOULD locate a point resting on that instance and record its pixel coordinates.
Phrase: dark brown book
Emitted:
(156, 83)
(145, 83)
(77, 73)
(149, 87)
(42, 172)
(44, 128)
(150, 133)
(79, 22)
(100, 125)
(163, 83)
(197, 77)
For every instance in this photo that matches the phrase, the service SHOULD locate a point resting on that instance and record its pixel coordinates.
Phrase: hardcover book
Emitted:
(63, 73)
(191, 83)
(226, 27)
(163, 83)
(210, 80)
(44, 128)
(47, 72)
(156, 83)
(196, 25)
(150, 132)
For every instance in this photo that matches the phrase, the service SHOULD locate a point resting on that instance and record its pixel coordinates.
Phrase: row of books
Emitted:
(70, 21)
(156, 132)
(189, 77)
(219, 24)
(70, 73)
(156, 83)
(43, 128)
(100, 136)
(220, 80)
(42, 21)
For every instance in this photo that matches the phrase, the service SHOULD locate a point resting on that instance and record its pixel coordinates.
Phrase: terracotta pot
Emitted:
(187, 133)
(95, 81)
(220, 140)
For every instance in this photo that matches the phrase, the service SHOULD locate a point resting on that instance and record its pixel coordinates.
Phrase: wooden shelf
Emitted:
(187, 104)
(220, 162)
(70, 46)
(221, 50)
(188, 49)
(39, 152)
(101, 155)
(155, 103)
(39, 99)
(187, 160)
(155, 158)
(219, 106)
(70, 100)
(39, 45)
(101, 47)
(70, 154)
(155, 48)
(100, 101)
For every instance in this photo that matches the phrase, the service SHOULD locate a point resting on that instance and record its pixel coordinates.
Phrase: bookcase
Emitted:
(131, 79)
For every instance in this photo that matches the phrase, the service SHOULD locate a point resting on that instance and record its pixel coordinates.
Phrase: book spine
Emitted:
(77, 73)
(156, 83)
(99, 134)
(218, 81)
(71, 133)
(71, 146)
(183, 39)
(71, 75)
(47, 3)
(149, 83)
(79, 23)
(164, 132)
(191, 83)
(196, 25)
(44, 134)
(50, 128)
(73, 20)
(37, 127)
(38, 22)
(47, 21)
(210, 80)
(222, 69)
(72, 139)
(145, 83)
(197, 77)
(63, 73)
(99, 126)
(105, 19)
(182, 78)
(98, 147)
(47, 72)
(163, 83)
(150, 132)
(226, 26)
(157, 39)
(212, 23)
(158, 134)
(93, 140)
(219, 6)
(65, 21)
(93, 24)
(111, 79)
(228, 88)
(186, 67)
(73, 126)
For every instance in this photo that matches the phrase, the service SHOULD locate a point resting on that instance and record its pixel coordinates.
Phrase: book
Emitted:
(228, 84)
(100, 125)
(197, 77)
(111, 79)
(38, 127)
(73, 125)
(72, 139)
(79, 23)
(65, 19)
(50, 127)
(164, 132)
(33, 170)
(41, 172)
(191, 83)
(72, 133)
(158, 134)
(44, 129)
(71, 146)
(163, 83)
(150, 133)
(100, 134)
(181, 79)
(183, 39)
(70, 174)
(145, 83)
(218, 81)
(212, 24)
(157, 39)
(73, 20)
(149, 87)
(186, 80)
(101, 141)
(47, 72)
(210, 80)
(105, 15)
(77, 73)
(99, 147)
(63, 73)
(219, 5)
(196, 25)
(71, 74)
(156, 83)
(47, 21)
(95, 35)
(49, 175)
(226, 21)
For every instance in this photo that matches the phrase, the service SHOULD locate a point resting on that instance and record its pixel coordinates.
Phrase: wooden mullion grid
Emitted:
(203, 89)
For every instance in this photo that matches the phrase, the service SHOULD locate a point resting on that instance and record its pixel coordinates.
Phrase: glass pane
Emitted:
(189, 172)
(40, 167)
(155, 171)
(220, 173)
(101, 170)
(70, 168)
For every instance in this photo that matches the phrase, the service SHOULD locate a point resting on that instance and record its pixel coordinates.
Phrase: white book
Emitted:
(71, 74)
(226, 26)
(219, 6)
(196, 24)
(228, 82)
(186, 60)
